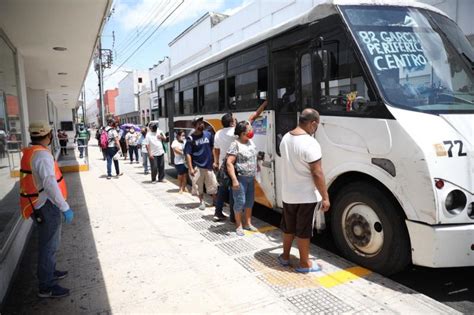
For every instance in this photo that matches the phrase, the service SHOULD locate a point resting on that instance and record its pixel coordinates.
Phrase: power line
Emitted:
(126, 49)
(154, 31)
(145, 23)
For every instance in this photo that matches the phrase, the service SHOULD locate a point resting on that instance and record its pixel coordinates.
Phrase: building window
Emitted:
(156, 84)
(11, 140)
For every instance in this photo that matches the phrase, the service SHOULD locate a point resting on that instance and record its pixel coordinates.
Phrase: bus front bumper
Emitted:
(441, 246)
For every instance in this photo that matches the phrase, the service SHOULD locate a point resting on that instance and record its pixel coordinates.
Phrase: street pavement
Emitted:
(137, 247)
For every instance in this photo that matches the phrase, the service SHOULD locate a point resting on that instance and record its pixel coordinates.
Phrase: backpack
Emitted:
(104, 139)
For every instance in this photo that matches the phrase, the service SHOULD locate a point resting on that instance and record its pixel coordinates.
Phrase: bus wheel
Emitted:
(368, 229)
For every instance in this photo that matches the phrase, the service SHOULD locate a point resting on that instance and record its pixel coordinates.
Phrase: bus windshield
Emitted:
(420, 60)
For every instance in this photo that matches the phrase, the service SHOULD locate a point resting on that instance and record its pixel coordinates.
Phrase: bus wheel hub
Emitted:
(362, 229)
(358, 230)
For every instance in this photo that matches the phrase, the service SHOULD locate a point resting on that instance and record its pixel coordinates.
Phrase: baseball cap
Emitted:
(197, 119)
(39, 128)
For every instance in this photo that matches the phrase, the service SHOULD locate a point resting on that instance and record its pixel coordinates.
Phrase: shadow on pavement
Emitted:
(77, 254)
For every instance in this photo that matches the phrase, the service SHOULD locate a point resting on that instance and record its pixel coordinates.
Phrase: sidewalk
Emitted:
(137, 247)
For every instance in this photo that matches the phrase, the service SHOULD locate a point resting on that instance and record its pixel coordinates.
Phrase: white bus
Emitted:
(395, 89)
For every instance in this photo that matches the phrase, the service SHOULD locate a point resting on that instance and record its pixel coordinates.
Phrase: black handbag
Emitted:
(223, 177)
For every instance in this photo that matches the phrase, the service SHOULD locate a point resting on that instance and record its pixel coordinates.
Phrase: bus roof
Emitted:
(321, 10)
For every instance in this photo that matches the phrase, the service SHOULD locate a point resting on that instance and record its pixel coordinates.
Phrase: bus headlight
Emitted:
(455, 201)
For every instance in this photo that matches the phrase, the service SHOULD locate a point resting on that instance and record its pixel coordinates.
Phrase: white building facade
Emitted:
(128, 105)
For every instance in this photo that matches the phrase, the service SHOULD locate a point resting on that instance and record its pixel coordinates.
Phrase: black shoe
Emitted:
(58, 275)
(55, 291)
(219, 216)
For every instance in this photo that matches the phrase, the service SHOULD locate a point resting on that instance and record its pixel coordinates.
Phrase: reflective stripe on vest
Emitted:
(28, 191)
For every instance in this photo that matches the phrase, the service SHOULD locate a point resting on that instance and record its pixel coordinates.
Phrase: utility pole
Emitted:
(103, 61)
(101, 85)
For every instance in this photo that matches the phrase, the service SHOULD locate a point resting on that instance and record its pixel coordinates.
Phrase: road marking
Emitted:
(263, 229)
(343, 276)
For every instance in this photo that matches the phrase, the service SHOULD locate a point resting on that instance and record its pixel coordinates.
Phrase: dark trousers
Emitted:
(133, 149)
(157, 166)
(110, 157)
(81, 146)
(49, 236)
(63, 144)
(224, 194)
(123, 147)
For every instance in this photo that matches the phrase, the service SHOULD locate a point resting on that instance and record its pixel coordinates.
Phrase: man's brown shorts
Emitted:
(297, 219)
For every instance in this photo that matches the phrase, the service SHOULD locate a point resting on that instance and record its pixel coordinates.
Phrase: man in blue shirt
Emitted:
(198, 150)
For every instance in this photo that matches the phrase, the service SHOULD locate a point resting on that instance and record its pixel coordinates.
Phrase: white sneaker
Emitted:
(202, 206)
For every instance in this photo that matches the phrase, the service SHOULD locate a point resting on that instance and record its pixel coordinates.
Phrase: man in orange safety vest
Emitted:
(43, 194)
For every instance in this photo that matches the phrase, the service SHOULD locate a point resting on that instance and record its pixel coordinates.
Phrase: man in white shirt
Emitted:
(303, 189)
(222, 142)
(154, 144)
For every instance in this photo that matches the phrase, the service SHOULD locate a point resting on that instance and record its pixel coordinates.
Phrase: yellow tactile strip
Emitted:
(343, 276)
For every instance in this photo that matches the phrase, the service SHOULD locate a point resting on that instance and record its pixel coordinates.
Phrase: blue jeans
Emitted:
(49, 233)
(224, 194)
(244, 196)
(145, 161)
(110, 155)
(81, 146)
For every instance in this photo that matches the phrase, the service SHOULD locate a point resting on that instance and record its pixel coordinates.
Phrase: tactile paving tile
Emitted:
(191, 216)
(235, 247)
(202, 225)
(260, 261)
(286, 280)
(180, 210)
(218, 234)
(319, 301)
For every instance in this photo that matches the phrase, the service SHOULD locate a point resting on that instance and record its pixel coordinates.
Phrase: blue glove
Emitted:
(68, 215)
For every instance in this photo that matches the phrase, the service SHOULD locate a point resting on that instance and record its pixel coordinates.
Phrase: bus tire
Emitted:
(369, 230)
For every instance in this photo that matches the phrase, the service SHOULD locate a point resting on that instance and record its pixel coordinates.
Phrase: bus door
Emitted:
(292, 88)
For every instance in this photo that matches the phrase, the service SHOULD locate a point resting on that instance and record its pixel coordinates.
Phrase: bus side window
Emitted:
(344, 90)
(177, 104)
(285, 75)
(188, 101)
(284, 79)
(231, 93)
(306, 81)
